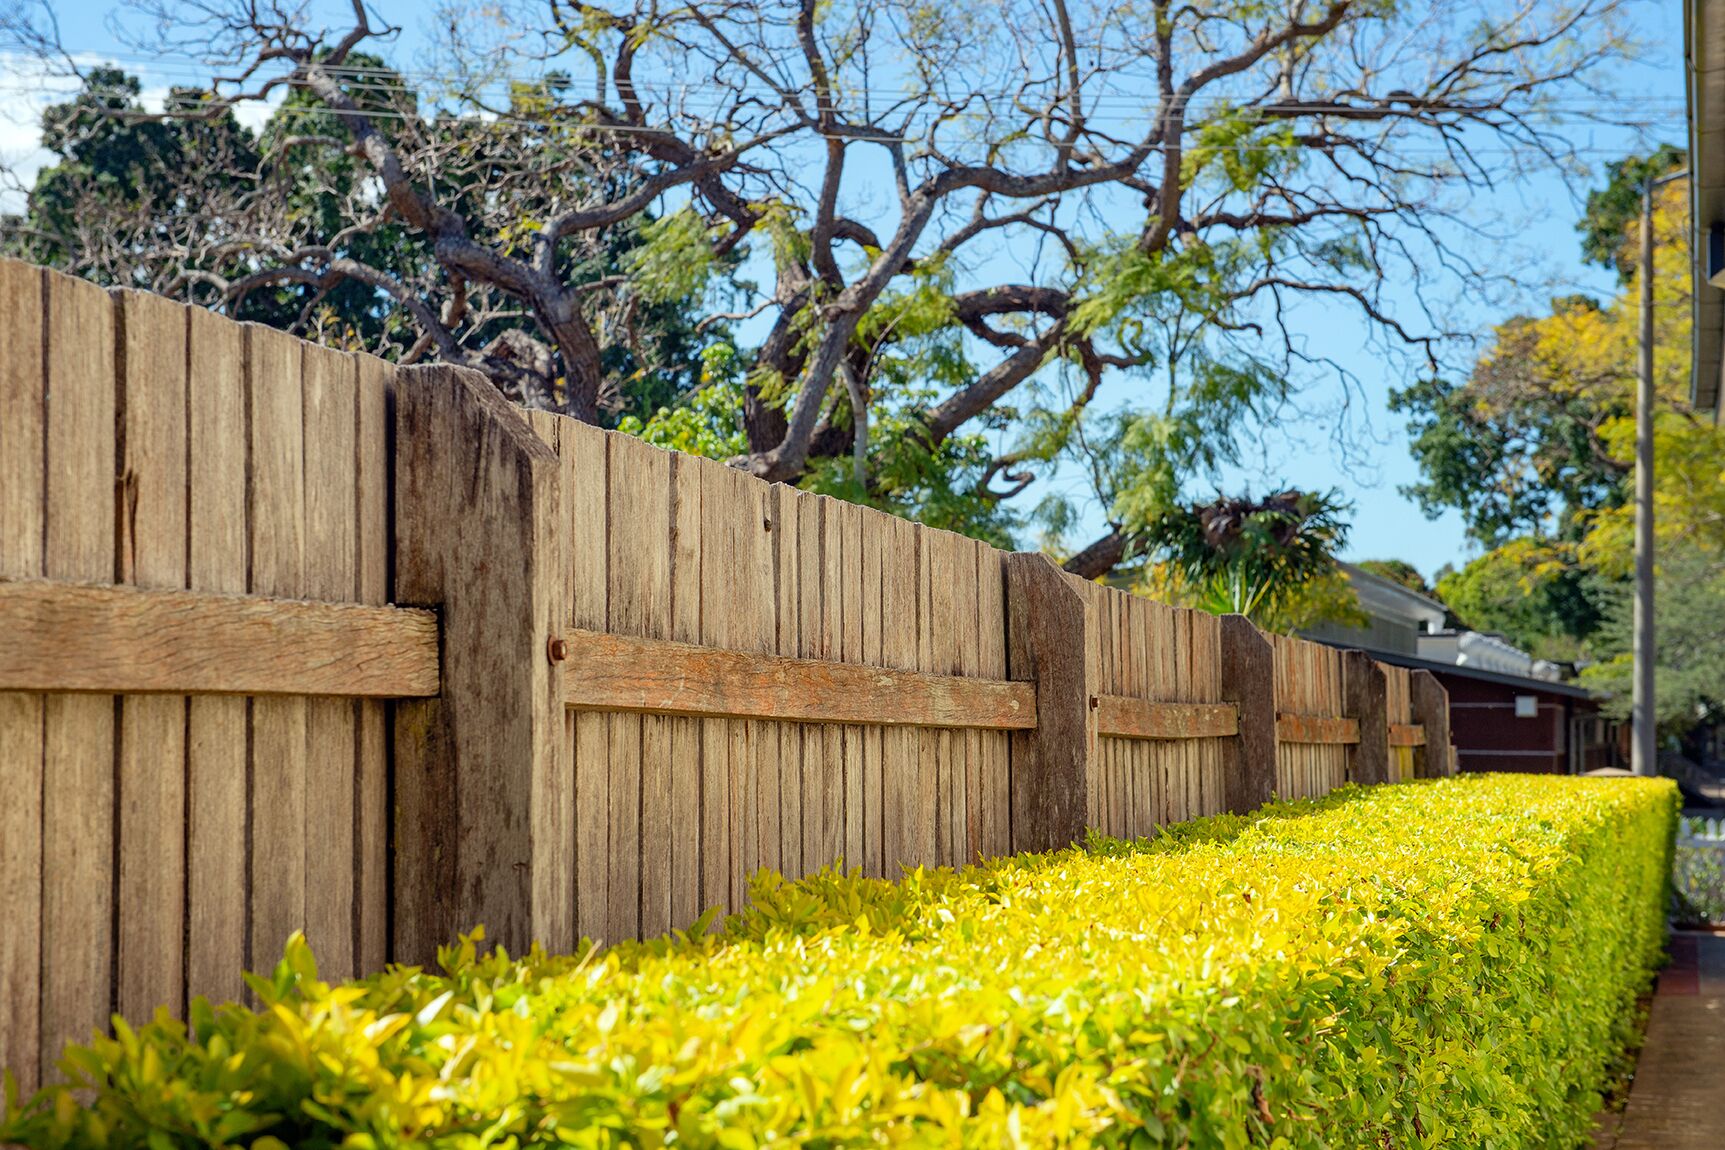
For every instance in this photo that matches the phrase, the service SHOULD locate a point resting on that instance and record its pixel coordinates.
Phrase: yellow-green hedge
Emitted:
(1443, 964)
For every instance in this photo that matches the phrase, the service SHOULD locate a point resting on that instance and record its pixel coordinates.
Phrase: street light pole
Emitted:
(1644, 753)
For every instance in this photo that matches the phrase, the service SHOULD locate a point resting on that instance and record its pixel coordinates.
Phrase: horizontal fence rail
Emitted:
(1124, 717)
(656, 676)
(296, 640)
(128, 640)
(1318, 730)
(1407, 735)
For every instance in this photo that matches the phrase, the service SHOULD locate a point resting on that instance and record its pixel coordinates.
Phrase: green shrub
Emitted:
(1443, 964)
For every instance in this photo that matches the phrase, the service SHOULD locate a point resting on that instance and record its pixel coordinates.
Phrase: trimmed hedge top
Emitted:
(1442, 964)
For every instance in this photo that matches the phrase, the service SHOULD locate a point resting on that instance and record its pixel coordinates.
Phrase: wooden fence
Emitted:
(295, 639)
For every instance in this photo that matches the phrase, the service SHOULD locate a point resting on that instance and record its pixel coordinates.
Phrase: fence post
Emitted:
(1248, 682)
(480, 771)
(1431, 711)
(1365, 692)
(1051, 641)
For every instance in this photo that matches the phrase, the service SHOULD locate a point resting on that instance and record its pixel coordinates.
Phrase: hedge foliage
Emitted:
(1442, 964)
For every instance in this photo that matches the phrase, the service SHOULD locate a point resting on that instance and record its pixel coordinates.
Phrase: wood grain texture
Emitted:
(217, 728)
(477, 821)
(685, 733)
(650, 676)
(1317, 730)
(1367, 703)
(787, 641)
(151, 893)
(329, 409)
(276, 522)
(1430, 708)
(1407, 735)
(23, 503)
(638, 604)
(995, 779)
(373, 382)
(1125, 717)
(584, 479)
(1051, 644)
(67, 637)
(1248, 681)
(78, 805)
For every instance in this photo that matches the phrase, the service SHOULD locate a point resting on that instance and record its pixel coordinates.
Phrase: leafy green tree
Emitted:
(1169, 183)
(1534, 592)
(1397, 571)
(1269, 559)
(1690, 636)
(1610, 217)
(196, 206)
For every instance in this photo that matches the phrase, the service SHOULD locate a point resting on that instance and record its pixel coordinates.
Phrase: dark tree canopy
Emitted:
(1606, 225)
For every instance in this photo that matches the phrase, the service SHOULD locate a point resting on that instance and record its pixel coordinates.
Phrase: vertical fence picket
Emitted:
(217, 726)
(152, 769)
(23, 504)
(685, 734)
(79, 732)
(330, 406)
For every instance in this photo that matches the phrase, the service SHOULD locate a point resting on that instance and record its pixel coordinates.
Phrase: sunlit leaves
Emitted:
(1424, 965)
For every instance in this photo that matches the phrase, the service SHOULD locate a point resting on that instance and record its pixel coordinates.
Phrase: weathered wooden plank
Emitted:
(1136, 683)
(967, 744)
(900, 745)
(846, 519)
(759, 634)
(1121, 716)
(639, 604)
(331, 413)
(1317, 730)
(1366, 695)
(585, 481)
(277, 525)
(150, 969)
(1429, 703)
(942, 659)
(79, 736)
(835, 564)
(373, 380)
(217, 727)
(71, 637)
(1051, 642)
(718, 553)
(787, 609)
(820, 839)
(1248, 682)
(23, 501)
(991, 622)
(654, 676)
(1407, 735)
(483, 765)
(873, 529)
(685, 750)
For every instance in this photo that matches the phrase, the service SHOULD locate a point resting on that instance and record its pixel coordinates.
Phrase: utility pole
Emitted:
(1644, 752)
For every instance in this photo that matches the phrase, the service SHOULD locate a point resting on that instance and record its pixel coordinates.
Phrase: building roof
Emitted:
(1381, 597)
(1415, 663)
(1704, 61)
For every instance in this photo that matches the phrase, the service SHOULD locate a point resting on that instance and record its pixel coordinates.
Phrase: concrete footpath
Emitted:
(1677, 1101)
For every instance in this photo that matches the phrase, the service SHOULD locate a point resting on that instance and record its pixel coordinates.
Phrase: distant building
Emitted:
(1398, 616)
(1508, 710)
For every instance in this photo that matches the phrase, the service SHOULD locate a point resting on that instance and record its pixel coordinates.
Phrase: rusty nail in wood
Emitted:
(557, 649)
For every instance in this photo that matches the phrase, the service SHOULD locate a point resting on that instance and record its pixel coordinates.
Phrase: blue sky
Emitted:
(1371, 459)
